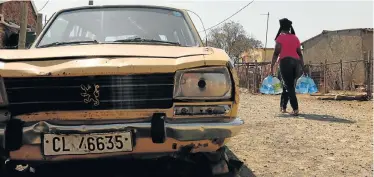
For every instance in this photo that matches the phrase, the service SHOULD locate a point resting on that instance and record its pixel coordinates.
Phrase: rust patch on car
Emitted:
(92, 115)
(219, 141)
(194, 145)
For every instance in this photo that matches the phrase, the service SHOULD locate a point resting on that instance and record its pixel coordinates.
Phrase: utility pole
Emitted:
(23, 25)
(39, 24)
(267, 29)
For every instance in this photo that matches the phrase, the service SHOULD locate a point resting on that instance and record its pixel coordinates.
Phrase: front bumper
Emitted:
(149, 137)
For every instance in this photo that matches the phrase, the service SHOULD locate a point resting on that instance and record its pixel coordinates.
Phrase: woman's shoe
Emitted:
(283, 110)
(295, 112)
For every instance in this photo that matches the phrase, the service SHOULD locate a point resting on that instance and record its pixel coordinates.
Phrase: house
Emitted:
(345, 45)
(259, 54)
(267, 54)
(10, 13)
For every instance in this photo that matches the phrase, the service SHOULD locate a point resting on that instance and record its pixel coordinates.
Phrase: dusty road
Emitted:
(329, 138)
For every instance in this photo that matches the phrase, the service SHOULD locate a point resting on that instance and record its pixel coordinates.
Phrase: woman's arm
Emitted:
(277, 49)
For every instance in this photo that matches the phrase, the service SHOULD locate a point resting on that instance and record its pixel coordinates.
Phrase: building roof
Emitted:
(267, 48)
(336, 31)
(32, 4)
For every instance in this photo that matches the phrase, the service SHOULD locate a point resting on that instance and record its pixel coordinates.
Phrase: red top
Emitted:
(289, 43)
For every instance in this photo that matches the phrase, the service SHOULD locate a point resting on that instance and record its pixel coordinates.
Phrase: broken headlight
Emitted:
(203, 83)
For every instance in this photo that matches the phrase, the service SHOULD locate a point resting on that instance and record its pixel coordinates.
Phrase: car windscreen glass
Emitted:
(106, 25)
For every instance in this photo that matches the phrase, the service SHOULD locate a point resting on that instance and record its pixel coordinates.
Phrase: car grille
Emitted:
(27, 95)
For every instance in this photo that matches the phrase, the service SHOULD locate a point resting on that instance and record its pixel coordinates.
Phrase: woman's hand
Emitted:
(271, 71)
(303, 70)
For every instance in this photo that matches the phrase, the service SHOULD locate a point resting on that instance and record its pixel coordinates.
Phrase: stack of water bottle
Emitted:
(306, 85)
(272, 85)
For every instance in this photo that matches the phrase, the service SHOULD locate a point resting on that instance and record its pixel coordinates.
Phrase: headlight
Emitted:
(203, 83)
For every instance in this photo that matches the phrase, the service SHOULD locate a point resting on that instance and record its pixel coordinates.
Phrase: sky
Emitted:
(309, 18)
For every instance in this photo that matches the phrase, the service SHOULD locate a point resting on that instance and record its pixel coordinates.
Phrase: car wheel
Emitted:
(3, 157)
(222, 166)
(15, 169)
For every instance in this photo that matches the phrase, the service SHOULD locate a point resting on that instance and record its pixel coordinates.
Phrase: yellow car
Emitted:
(116, 81)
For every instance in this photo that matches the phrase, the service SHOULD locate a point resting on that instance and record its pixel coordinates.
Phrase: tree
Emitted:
(232, 38)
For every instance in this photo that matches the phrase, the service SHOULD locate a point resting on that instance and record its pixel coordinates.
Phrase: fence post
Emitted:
(247, 75)
(320, 76)
(371, 74)
(367, 74)
(39, 24)
(255, 78)
(325, 77)
(310, 69)
(341, 74)
(369, 89)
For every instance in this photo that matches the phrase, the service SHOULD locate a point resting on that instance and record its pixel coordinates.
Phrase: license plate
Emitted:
(94, 143)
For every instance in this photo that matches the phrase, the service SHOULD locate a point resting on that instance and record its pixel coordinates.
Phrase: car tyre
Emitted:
(14, 169)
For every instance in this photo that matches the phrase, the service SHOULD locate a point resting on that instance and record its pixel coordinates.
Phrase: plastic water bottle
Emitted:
(265, 86)
(302, 85)
(271, 85)
(313, 89)
(271, 90)
(264, 89)
(277, 85)
(312, 86)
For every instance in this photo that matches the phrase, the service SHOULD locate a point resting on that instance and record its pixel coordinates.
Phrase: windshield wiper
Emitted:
(145, 40)
(67, 43)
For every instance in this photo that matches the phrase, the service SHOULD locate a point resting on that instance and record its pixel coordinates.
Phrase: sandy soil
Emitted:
(329, 138)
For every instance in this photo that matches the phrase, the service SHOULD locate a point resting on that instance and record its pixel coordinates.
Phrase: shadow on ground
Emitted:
(120, 168)
(245, 171)
(317, 117)
(162, 167)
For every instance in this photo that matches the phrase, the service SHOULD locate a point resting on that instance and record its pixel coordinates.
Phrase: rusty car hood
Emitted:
(106, 59)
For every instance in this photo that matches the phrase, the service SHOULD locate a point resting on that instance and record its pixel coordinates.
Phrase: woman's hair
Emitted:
(285, 25)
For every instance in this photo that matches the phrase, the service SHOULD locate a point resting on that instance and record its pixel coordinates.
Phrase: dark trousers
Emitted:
(289, 71)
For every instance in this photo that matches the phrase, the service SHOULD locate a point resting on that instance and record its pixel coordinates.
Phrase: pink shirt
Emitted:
(289, 43)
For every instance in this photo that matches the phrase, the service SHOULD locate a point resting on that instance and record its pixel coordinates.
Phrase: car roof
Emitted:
(119, 6)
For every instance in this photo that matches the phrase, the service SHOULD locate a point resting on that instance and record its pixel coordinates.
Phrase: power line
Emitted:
(44, 6)
(229, 16)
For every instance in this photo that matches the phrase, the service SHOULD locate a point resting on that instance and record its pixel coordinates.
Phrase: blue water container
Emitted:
(312, 86)
(265, 86)
(277, 86)
(271, 85)
(302, 85)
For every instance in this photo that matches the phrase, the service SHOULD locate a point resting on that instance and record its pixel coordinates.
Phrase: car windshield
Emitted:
(120, 25)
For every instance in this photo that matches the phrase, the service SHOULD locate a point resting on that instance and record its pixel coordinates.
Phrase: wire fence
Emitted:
(355, 75)
(251, 74)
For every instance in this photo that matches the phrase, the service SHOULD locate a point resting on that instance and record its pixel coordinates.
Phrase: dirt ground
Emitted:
(328, 138)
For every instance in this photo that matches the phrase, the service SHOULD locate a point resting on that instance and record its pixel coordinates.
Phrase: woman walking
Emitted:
(287, 48)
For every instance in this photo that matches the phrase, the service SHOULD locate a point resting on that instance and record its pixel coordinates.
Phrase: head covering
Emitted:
(285, 25)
